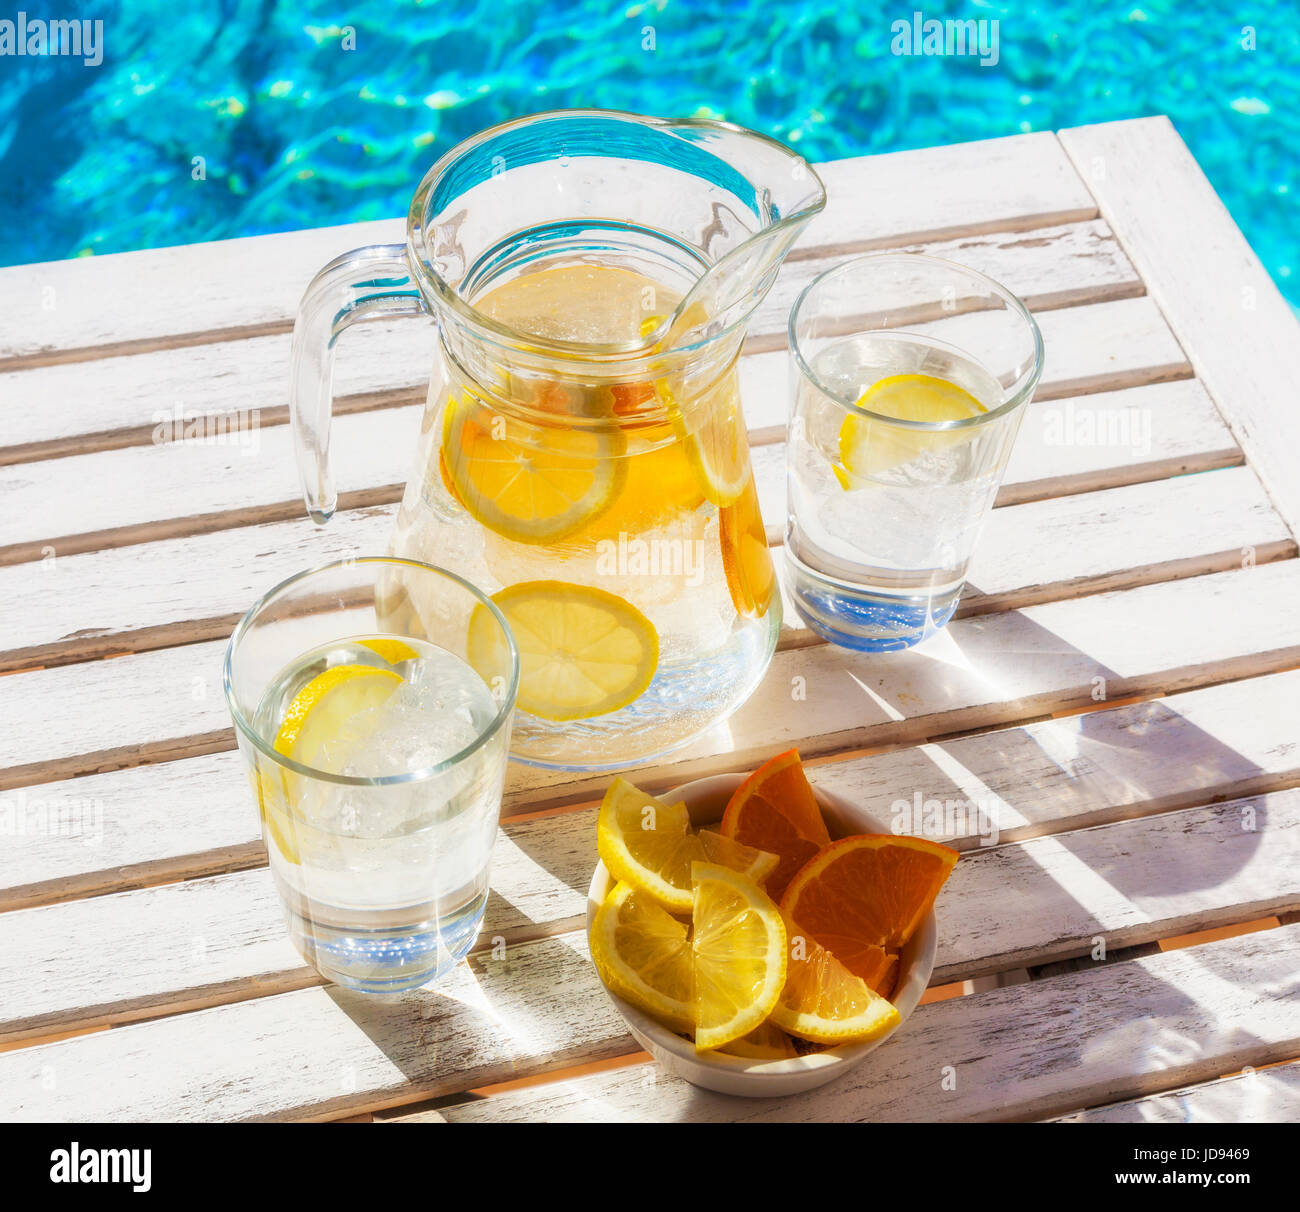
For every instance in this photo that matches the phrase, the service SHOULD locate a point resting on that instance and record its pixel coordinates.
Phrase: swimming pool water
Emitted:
(222, 118)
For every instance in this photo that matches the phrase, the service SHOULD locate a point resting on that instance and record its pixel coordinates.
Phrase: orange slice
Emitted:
(867, 893)
(746, 559)
(823, 1001)
(765, 1042)
(775, 810)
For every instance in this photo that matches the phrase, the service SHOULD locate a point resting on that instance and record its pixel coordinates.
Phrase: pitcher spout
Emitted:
(746, 244)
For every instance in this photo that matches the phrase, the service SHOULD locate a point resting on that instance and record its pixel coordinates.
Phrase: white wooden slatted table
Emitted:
(1123, 681)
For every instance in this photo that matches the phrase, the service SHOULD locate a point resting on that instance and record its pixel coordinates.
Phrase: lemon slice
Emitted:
(271, 786)
(390, 649)
(765, 1042)
(751, 862)
(738, 942)
(868, 446)
(648, 845)
(712, 431)
(824, 1002)
(643, 954)
(710, 425)
(325, 710)
(583, 652)
(526, 482)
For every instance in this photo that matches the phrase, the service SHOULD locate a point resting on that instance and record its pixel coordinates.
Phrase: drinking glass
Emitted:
(910, 379)
(376, 745)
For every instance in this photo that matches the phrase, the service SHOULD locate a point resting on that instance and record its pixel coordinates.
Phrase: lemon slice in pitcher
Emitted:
(582, 652)
(710, 427)
(524, 482)
(868, 447)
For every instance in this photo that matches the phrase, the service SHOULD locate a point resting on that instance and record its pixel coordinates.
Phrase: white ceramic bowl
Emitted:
(706, 799)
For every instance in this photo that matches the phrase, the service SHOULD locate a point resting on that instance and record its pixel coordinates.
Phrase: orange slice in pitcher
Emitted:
(526, 482)
(746, 559)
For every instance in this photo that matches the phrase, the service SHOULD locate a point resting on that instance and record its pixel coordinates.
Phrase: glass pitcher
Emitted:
(583, 456)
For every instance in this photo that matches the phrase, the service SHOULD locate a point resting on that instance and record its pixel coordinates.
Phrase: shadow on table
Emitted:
(539, 1006)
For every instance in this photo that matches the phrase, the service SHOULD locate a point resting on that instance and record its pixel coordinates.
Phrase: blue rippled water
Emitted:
(295, 130)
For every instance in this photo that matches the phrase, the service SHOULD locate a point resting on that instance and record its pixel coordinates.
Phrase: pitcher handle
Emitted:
(364, 284)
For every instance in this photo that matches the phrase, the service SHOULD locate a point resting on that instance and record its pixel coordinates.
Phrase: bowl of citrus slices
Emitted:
(759, 937)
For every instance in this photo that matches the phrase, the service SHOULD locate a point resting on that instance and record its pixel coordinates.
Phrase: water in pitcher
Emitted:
(614, 522)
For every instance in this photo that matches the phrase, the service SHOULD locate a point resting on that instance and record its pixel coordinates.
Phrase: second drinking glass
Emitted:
(911, 376)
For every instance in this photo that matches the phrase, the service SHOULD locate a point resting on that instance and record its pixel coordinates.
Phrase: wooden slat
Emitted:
(180, 590)
(1261, 1096)
(319, 1053)
(982, 671)
(253, 285)
(146, 825)
(77, 504)
(992, 670)
(1227, 741)
(219, 939)
(1219, 299)
(1021, 1052)
(1082, 443)
(1010, 184)
(115, 402)
(1105, 540)
(116, 958)
(122, 401)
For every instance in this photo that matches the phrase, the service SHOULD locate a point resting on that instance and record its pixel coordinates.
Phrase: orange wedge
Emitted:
(746, 559)
(823, 1001)
(865, 894)
(774, 810)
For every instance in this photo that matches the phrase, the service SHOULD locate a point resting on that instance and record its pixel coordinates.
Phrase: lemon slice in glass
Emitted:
(868, 446)
(583, 652)
(325, 710)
